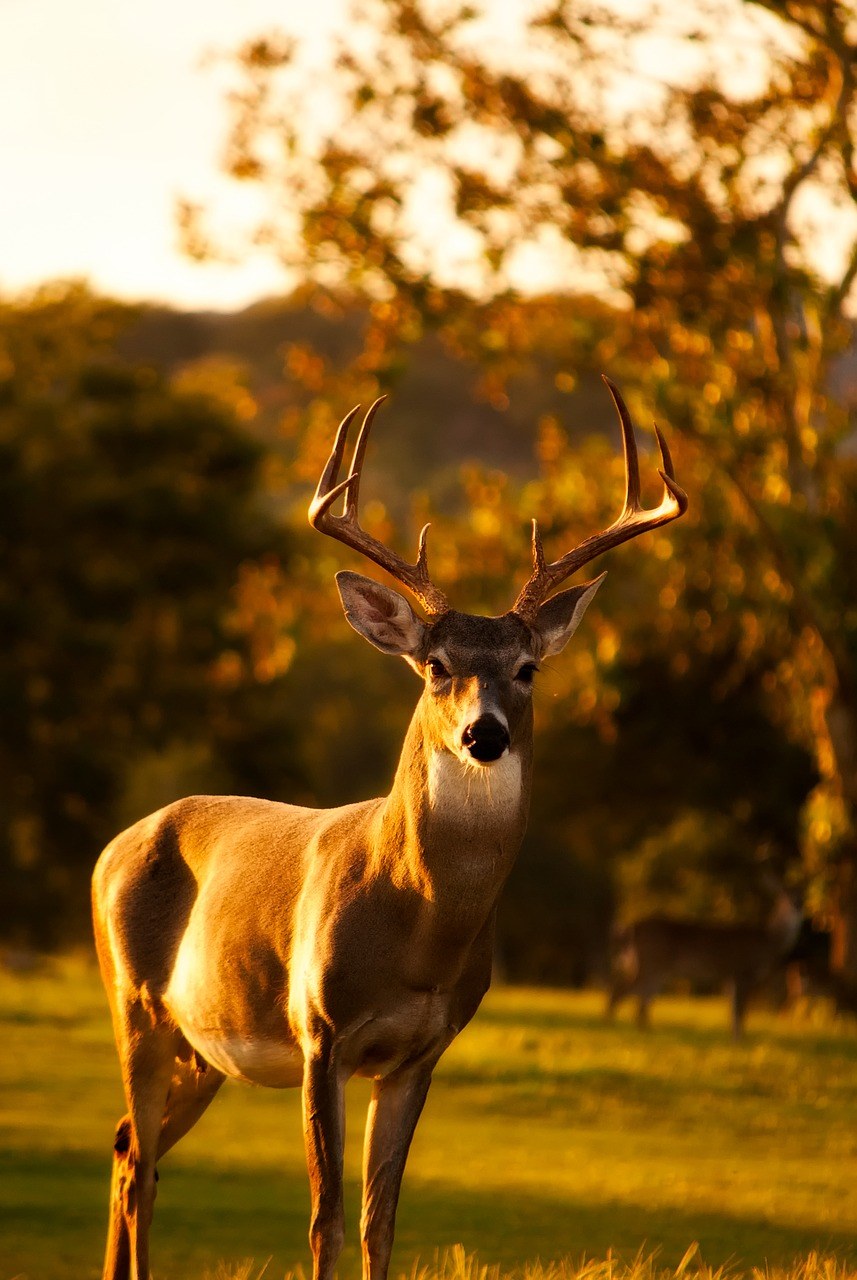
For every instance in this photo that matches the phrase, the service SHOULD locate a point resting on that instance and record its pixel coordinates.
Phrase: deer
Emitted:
(655, 950)
(284, 946)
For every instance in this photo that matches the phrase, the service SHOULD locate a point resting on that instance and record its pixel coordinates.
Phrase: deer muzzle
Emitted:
(486, 739)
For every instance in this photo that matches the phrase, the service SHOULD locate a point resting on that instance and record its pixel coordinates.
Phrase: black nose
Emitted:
(486, 739)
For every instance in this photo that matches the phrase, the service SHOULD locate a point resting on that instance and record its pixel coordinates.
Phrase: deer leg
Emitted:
(739, 997)
(396, 1105)
(324, 1138)
(619, 987)
(645, 991)
(117, 1256)
(147, 1055)
(192, 1089)
(189, 1094)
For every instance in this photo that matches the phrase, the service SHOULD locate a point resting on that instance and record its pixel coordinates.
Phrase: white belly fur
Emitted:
(271, 1060)
(273, 1063)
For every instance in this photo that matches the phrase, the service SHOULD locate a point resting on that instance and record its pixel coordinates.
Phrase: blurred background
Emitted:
(219, 231)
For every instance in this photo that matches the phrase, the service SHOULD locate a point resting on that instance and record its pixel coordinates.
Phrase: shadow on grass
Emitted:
(206, 1215)
(511, 1228)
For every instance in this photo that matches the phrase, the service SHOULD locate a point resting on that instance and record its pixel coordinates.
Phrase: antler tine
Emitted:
(327, 490)
(632, 467)
(346, 527)
(634, 519)
(629, 447)
(672, 489)
(667, 472)
(538, 549)
(353, 493)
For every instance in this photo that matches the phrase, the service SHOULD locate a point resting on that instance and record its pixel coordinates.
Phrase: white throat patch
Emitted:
(473, 792)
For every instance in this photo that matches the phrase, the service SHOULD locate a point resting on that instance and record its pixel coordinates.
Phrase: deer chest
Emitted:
(418, 1025)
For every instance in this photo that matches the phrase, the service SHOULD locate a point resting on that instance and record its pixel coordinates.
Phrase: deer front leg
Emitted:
(324, 1137)
(396, 1105)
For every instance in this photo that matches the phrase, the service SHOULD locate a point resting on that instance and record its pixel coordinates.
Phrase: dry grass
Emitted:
(457, 1264)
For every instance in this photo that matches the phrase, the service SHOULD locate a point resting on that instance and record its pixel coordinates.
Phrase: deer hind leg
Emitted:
(191, 1089)
(396, 1105)
(117, 1257)
(615, 993)
(147, 1053)
(620, 985)
(739, 997)
(624, 975)
(193, 1086)
(645, 990)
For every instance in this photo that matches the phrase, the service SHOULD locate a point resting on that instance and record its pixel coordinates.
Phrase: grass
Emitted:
(548, 1135)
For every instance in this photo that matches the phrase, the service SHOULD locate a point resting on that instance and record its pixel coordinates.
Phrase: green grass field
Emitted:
(548, 1135)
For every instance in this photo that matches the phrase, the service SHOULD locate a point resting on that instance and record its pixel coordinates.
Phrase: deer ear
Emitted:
(558, 618)
(381, 615)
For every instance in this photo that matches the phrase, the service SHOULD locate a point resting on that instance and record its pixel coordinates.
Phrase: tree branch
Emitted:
(804, 610)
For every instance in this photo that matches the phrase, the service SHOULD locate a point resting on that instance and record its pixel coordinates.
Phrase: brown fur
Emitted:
(294, 946)
(291, 946)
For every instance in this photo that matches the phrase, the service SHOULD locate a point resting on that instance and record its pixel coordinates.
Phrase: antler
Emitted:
(347, 528)
(634, 520)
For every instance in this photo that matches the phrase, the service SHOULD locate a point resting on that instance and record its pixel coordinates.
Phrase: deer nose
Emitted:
(486, 739)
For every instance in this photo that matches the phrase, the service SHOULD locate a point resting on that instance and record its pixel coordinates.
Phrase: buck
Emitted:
(288, 946)
(656, 950)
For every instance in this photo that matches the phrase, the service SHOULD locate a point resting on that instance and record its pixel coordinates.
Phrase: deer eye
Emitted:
(437, 670)
(526, 672)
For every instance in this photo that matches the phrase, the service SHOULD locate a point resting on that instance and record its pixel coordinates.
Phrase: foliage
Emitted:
(711, 205)
(548, 1134)
(126, 508)
(281, 699)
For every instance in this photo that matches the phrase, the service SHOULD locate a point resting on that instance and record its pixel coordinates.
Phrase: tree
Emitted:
(126, 509)
(713, 205)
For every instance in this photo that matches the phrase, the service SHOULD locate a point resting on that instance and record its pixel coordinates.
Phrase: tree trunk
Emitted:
(843, 953)
(836, 754)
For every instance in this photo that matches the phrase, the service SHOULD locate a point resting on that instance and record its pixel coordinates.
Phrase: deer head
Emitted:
(478, 671)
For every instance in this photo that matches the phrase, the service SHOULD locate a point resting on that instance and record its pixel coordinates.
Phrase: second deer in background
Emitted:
(656, 950)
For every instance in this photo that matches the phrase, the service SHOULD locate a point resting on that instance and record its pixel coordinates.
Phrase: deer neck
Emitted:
(452, 830)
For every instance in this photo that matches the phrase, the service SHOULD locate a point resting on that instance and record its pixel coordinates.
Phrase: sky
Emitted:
(108, 115)
(112, 111)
